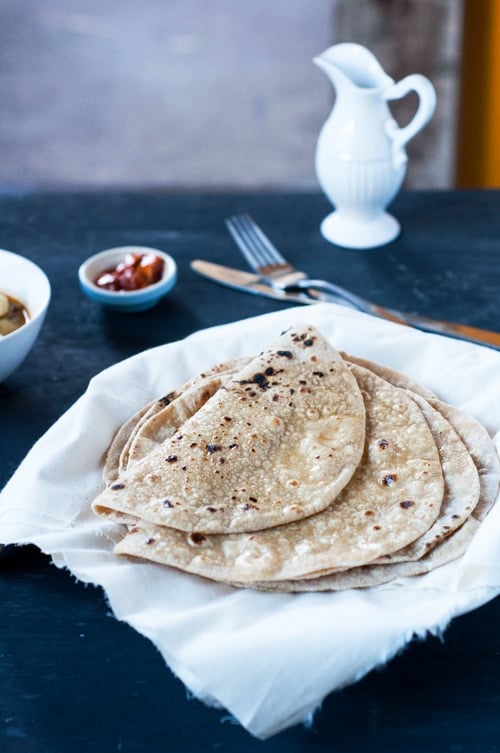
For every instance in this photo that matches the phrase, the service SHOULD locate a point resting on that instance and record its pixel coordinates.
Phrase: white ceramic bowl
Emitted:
(23, 280)
(126, 300)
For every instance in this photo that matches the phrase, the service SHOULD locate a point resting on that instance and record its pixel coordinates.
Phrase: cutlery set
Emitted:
(274, 277)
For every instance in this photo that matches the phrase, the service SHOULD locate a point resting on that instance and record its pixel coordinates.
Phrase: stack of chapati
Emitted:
(299, 470)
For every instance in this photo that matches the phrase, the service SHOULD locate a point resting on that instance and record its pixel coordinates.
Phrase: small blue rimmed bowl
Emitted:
(126, 300)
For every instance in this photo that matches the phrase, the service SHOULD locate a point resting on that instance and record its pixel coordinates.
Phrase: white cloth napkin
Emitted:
(269, 659)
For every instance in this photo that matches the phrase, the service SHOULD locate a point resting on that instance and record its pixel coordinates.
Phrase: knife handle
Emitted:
(454, 329)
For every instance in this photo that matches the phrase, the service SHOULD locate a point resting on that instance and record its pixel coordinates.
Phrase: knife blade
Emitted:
(248, 282)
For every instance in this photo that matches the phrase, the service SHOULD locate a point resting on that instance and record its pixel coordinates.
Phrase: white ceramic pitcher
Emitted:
(360, 155)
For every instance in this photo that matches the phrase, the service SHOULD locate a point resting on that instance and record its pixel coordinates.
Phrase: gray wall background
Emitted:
(208, 94)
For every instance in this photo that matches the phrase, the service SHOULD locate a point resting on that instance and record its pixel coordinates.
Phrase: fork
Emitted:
(272, 268)
(265, 259)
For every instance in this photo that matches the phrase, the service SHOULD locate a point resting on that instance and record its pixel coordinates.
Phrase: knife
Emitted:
(248, 282)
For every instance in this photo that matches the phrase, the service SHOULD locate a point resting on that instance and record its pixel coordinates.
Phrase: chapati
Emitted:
(368, 576)
(277, 443)
(163, 422)
(330, 548)
(394, 496)
(482, 451)
(461, 489)
(118, 455)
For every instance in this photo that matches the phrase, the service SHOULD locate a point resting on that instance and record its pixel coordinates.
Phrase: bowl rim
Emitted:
(169, 273)
(47, 294)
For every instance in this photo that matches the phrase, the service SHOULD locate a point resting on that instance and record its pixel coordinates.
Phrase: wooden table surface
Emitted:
(72, 678)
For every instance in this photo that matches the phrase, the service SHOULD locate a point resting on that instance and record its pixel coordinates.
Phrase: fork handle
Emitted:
(329, 287)
(451, 329)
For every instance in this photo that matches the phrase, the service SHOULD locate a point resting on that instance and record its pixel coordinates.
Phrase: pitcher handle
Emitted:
(427, 104)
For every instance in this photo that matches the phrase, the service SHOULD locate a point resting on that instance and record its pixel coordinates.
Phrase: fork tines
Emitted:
(254, 245)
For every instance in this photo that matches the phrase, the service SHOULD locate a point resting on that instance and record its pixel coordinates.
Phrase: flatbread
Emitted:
(276, 444)
(290, 556)
(163, 422)
(461, 493)
(121, 439)
(485, 458)
(471, 432)
(487, 463)
(369, 576)
(482, 451)
(397, 378)
(118, 455)
(370, 517)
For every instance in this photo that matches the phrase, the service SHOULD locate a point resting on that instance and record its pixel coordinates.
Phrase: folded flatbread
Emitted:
(461, 493)
(368, 576)
(363, 536)
(157, 419)
(277, 443)
(394, 496)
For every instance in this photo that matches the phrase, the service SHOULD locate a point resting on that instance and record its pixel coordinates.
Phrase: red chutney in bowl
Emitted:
(136, 271)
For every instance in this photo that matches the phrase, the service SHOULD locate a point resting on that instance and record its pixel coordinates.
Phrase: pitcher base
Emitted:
(358, 233)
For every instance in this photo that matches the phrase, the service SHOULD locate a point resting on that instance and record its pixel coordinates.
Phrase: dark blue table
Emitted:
(72, 678)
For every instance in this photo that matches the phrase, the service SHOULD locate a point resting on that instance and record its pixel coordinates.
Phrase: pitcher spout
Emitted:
(350, 64)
